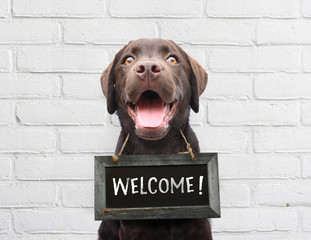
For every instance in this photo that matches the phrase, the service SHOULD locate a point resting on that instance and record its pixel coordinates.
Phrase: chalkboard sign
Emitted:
(156, 187)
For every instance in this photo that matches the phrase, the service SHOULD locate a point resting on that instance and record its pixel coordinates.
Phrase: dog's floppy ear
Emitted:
(198, 79)
(108, 82)
(198, 83)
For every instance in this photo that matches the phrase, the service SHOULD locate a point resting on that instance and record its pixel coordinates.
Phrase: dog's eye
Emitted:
(171, 60)
(129, 60)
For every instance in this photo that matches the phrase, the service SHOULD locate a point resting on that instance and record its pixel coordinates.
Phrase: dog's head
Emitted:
(152, 83)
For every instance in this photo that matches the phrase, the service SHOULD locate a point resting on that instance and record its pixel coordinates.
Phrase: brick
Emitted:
(104, 32)
(80, 237)
(5, 236)
(306, 113)
(42, 236)
(306, 166)
(283, 140)
(306, 236)
(155, 8)
(228, 86)
(284, 32)
(5, 168)
(29, 32)
(78, 195)
(54, 168)
(234, 195)
(235, 220)
(27, 141)
(253, 113)
(294, 194)
(5, 221)
(61, 112)
(245, 220)
(221, 140)
(29, 86)
(263, 59)
(84, 86)
(306, 61)
(58, 8)
(282, 86)
(4, 8)
(26, 195)
(62, 60)
(65, 236)
(259, 166)
(208, 32)
(96, 140)
(277, 220)
(5, 61)
(6, 110)
(55, 220)
(306, 219)
(253, 8)
(306, 8)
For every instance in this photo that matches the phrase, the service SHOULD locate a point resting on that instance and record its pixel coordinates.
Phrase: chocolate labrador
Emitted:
(152, 83)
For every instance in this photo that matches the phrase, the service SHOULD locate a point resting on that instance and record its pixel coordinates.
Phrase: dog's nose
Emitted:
(148, 69)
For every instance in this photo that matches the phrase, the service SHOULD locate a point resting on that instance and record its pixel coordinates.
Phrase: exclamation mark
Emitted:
(200, 184)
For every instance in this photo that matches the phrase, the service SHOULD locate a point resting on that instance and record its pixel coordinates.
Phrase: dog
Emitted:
(152, 84)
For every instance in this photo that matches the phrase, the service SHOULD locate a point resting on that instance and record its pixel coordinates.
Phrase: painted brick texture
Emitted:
(58, 8)
(255, 111)
(4, 8)
(29, 32)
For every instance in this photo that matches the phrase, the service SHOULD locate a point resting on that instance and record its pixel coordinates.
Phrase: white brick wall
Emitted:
(208, 32)
(54, 220)
(273, 32)
(6, 110)
(27, 194)
(58, 8)
(259, 59)
(5, 60)
(29, 86)
(61, 112)
(58, 59)
(306, 61)
(29, 32)
(253, 8)
(282, 86)
(4, 8)
(155, 8)
(255, 112)
(104, 31)
(5, 168)
(306, 8)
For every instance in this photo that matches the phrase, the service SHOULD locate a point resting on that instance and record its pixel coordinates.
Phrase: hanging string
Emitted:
(188, 146)
(116, 158)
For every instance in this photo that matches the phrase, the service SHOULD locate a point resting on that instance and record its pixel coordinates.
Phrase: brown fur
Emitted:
(183, 82)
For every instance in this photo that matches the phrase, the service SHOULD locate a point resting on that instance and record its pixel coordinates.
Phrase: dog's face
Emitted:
(152, 83)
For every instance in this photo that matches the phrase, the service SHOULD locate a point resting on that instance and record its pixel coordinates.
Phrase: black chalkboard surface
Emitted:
(156, 187)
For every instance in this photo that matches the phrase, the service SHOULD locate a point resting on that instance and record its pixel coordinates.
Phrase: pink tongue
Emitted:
(150, 112)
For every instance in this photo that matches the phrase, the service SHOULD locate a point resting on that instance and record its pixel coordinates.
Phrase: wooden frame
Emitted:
(209, 210)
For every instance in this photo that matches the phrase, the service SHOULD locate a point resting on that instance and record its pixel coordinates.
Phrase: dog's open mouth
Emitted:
(151, 111)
